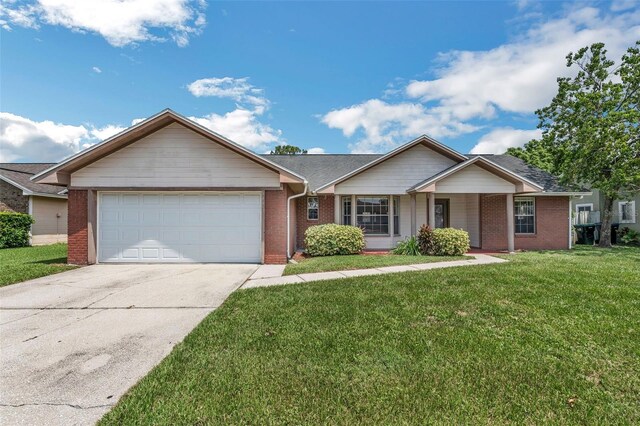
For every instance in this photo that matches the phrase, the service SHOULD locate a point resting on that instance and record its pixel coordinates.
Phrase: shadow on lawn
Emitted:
(57, 261)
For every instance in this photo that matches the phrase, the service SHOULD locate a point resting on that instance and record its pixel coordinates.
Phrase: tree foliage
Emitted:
(288, 150)
(590, 131)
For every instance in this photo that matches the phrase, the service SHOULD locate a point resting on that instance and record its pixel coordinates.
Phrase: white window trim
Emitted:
(535, 219)
(633, 211)
(354, 218)
(317, 208)
(590, 205)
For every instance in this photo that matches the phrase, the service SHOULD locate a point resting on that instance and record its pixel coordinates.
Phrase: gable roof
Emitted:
(424, 139)
(322, 168)
(525, 184)
(19, 175)
(59, 173)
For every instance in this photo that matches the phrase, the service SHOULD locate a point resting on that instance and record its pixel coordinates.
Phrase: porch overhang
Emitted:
(513, 183)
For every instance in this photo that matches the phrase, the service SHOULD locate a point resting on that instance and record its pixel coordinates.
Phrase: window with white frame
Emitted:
(396, 215)
(372, 215)
(583, 213)
(525, 215)
(627, 211)
(346, 210)
(312, 208)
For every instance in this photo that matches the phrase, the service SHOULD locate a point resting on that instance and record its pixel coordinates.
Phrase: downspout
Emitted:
(302, 194)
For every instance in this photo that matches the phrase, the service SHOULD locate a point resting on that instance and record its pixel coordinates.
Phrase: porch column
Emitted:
(412, 197)
(510, 225)
(432, 210)
(336, 209)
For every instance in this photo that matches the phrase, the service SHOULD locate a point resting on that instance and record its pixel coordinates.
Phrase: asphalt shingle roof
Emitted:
(21, 173)
(321, 169)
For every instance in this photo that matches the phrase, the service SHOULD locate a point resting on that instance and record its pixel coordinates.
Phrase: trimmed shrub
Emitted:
(14, 229)
(450, 242)
(425, 240)
(629, 236)
(408, 247)
(332, 239)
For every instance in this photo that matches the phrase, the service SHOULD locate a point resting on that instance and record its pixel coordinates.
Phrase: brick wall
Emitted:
(13, 198)
(552, 224)
(493, 222)
(275, 226)
(77, 228)
(325, 215)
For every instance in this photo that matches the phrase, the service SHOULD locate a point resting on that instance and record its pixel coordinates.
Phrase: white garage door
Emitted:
(179, 227)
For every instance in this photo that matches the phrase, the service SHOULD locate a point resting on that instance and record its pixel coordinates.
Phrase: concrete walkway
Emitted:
(268, 275)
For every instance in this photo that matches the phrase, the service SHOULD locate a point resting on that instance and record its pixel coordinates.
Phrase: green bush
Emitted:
(425, 240)
(629, 236)
(332, 239)
(408, 247)
(14, 229)
(450, 242)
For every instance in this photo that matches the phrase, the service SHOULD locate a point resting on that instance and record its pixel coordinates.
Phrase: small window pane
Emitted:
(525, 220)
(396, 215)
(346, 210)
(312, 208)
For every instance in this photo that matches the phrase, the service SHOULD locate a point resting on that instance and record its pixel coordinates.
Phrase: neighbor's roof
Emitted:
(19, 175)
(320, 169)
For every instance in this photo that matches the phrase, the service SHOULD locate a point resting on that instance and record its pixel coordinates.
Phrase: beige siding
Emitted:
(474, 179)
(397, 174)
(175, 157)
(473, 219)
(50, 216)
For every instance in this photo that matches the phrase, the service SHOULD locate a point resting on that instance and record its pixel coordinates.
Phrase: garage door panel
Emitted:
(180, 227)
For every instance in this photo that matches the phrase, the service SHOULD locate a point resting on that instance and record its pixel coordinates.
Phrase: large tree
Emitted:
(590, 131)
(288, 150)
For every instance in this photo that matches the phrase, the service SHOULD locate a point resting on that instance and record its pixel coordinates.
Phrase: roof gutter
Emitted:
(304, 191)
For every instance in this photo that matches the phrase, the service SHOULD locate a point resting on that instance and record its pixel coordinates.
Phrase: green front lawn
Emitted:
(546, 338)
(360, 261)
(25, 263)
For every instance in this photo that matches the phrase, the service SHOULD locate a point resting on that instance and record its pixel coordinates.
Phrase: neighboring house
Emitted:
(46, 203)
(587, 210)
(170, 190)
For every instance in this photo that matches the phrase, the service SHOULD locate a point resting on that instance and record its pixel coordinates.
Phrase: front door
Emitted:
(442, 213)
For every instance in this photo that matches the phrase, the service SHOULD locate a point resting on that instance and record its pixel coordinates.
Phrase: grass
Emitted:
(358, 261)
(546, 338)
(25, 263)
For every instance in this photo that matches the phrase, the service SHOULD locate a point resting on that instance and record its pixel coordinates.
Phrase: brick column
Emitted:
(275, 226)
(77, 227)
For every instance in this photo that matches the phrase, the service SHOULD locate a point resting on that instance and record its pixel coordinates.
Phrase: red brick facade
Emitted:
(326, 209)
(78, 252)
(275, 226)
(552, 224)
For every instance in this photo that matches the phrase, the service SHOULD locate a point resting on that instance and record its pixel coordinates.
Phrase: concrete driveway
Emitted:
(71, 344)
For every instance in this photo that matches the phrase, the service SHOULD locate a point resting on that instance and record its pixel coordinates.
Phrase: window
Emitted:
(525, 215)
(583, 213)
(312, 208)
(627, 211)
(372, 215)
(396, 215)
(346, 210)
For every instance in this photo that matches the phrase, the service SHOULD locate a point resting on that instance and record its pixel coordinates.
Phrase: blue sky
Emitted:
(333, 77)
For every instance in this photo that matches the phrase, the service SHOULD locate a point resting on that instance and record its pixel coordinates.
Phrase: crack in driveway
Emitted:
(56, 404)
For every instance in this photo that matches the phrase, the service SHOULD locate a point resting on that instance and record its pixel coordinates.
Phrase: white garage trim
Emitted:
(180, 226)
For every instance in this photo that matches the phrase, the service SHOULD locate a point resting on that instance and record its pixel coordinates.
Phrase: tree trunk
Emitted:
(606, 215)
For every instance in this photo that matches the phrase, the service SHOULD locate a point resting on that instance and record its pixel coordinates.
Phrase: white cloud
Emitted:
(119, 22)
(473, 87)
(241, 126)
(499, 140)
(22, 139)
(316, 150)
(382, 125)
(96, 70)
(520, 76)
(237, 89)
